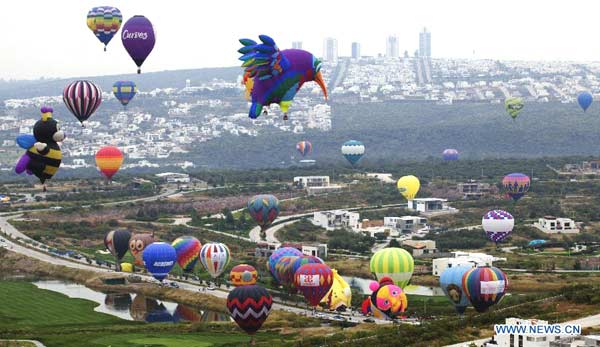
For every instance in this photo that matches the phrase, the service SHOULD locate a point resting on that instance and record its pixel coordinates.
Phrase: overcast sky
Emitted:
(50, 38)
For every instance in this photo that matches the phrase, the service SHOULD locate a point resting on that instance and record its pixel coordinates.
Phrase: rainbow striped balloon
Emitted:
(395, 263)
(109, 160)
(188, 249)
(82, 98)
(104, 22)
(215, 257)
(484, 286)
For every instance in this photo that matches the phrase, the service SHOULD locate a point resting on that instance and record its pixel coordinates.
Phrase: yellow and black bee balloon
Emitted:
(43, 156)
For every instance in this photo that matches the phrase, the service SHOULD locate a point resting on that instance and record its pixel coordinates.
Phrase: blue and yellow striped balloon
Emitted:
(124, 91)
(395, 263)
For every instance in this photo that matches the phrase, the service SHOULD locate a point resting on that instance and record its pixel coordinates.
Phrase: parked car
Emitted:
(174, 285)
(369, 320)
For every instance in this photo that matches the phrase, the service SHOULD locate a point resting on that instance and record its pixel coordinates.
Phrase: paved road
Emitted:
(36, 343)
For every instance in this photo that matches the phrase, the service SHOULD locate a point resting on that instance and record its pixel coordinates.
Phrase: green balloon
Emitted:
(513, 106)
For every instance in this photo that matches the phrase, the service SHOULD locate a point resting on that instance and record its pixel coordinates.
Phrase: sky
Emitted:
(51, 39)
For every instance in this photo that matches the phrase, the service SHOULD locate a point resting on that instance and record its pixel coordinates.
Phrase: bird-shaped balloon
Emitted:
(273, 76)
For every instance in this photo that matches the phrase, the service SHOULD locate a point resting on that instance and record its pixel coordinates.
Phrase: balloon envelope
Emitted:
(450, 154)
(138, 39)
(249, 307)
(187, 249)
(243, 275)
(82, 98)
(280, 253)
(117, 242)
(137, 244)
(516, 185)
(159, 258)
(387, 300)
(339, 296)
(584, 99)
(215, 257)
(104, 22)
(124, 91)
(353, 150)
(304, 147)
(109, 160)
(497, 224)
(513, 106)
(313, 281)
(395, 263)
(263, 209)
(484, 286)
(451, 283)
(408, 186)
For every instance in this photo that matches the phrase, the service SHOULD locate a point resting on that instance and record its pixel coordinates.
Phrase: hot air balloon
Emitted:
(584, 99)
(82, 98)
(104, 22)
(137, 244)
(280, 253)
(159, 258)
(283, 270)
(109, 160)
(183, 312)
(313, 281)
(536, 243)
(451, 283)
(126, 267)
(138, 39)
(43, 157)
(263, 209)
(395, 263)
(484, 286)
(408, 186)
(513, 106)
(450, 154)
(117, 243)
(353, 150)
(215, 257)
(516, 185)
(243, 275)
(249, 307)
(124, 91)
(497, 224)
(339, 296)
(387, 299)
(187, 249)
(304, 147)
(272, 76)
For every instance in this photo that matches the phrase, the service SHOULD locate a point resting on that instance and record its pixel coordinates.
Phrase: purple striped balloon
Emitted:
(82, 98)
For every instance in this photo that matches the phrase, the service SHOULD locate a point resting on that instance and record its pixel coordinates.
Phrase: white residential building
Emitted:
(319, 250)
(431, 206)
(420, 247)
(406, 224)
(336, 219)
(533, 340)
(463, 258)
(577, 341)
(315, 184)
(553, 225)
(174, 177)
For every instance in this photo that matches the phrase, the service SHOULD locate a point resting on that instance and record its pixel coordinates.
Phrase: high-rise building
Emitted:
(297, 44)
(425, 43)
(392, 48)
(355, 50)
(330, 49)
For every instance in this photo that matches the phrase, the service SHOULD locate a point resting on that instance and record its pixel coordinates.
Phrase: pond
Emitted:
(362, 284)
(133, 306)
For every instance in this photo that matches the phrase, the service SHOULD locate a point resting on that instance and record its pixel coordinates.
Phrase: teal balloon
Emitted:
(451, 283)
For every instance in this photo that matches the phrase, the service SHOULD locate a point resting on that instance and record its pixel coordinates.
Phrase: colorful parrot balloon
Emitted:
(393, 262)
(339, 296)
(249, 307)
(243, 275)
(304, 147)
(513, 106)
(124, 91)
(584, 99)
(263, 209)
(388, 300)
(516, 185)
(215, 257)
(497, 224)
(82, 98)
(187, 249)
(313, 281)
(485, 286)
(109, 160)
(353, 150)
(138, 39)
(272, 76)
(408, 186)
(280, 253)
(450, 154)
(117, 243)
(159, 258)
(104, 22)
(137, 244)
(451, 284)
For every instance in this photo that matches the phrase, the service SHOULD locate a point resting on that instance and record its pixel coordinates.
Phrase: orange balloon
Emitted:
(109, 160)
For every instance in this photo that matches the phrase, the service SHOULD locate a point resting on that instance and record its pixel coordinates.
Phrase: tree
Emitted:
(394, 243)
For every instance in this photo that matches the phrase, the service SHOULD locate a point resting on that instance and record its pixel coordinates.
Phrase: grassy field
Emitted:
(163, 339)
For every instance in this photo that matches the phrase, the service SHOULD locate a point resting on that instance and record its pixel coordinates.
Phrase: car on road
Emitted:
(174, 285)
(320, 315)
(338, 318)
(211, 288)
(369, 320)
